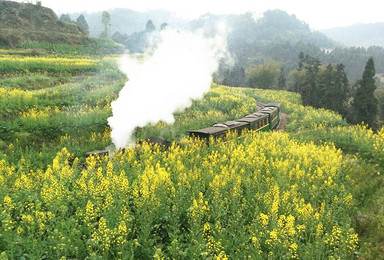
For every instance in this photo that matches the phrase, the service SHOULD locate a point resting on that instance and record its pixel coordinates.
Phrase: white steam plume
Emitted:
(179, 69)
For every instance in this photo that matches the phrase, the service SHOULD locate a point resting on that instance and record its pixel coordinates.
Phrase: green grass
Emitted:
(89, 47)
(33, 82)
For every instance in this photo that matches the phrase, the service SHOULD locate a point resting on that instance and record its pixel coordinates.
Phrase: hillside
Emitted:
(280, 195)
(232, 200)
(275, 36)
(280, 37)
(359, 35)
(22, 22)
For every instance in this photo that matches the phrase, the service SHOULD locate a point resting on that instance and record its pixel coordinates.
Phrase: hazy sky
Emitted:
(318, 14)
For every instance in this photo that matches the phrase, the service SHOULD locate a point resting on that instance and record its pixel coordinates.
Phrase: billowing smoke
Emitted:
(179, 69)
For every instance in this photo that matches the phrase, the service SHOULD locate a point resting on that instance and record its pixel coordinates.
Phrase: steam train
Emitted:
(267, 118)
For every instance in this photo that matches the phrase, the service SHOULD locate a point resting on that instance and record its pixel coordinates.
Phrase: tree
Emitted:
(150, 26)
(282, 80)
(66, 18)
(321, 86)
(163, 26)
(334, 86)
(119, 38)
(234, 76)
(297, 79)
(105, 20)
(263, 76)
(364, 101)
(301, 60)
(340, 91)
(80, 21)
(310, 89)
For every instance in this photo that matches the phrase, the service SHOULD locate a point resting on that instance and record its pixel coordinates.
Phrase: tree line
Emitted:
(80, 21)
(321, 86)
(327, 86)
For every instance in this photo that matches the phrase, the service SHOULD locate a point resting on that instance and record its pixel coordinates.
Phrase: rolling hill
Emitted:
(34, 26)
(28, 22)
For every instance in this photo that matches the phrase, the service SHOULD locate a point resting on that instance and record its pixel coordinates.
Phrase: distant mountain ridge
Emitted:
(358, 35)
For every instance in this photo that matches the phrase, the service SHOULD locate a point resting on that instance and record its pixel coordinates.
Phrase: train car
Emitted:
(274, 104)
(273, 112)
(98, 153)
(219, 130)
(154, 140)
(257, 121)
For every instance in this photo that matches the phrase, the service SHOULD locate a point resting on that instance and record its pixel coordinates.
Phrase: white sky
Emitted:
(320, 14)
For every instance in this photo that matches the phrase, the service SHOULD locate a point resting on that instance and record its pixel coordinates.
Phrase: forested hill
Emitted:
(274, 25)
(275, 36)
(28, 22)
(280, 37)
(359, 35)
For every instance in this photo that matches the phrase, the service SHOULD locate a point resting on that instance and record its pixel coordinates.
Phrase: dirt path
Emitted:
(284, 120)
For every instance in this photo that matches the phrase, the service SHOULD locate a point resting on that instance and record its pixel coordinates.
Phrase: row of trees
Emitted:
(328, 87)
(138, 41)
(321, 86)
(80, 21)
(266, 76)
